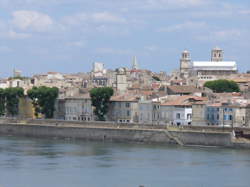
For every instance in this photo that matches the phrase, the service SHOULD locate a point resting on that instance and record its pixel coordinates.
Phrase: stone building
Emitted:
(77, 108)
(207, 70)
(199, 114)
(228, 114)
(124, 109)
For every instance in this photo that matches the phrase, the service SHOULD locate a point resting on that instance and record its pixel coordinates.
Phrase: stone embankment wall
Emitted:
(116, 132)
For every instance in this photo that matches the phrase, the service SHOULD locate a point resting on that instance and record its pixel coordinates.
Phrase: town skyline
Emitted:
(42, 36)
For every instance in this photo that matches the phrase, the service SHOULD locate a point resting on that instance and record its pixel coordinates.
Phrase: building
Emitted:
(185, 63)
(121, 80)
(149, 112)
(228, 114)
(98, 69)
(207, 70)
(199, 114)
(78, 108)
(178, 110)
(124, 109)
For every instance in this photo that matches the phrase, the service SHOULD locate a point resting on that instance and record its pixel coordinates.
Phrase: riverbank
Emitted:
(108, 131)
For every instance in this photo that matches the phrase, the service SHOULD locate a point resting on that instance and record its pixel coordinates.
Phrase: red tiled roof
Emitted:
(184, 101)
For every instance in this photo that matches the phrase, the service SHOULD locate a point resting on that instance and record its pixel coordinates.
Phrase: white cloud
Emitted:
(107, 17)
(171, 4)
(15, 35)
(31, 20)
(184, 26)
(93, 18)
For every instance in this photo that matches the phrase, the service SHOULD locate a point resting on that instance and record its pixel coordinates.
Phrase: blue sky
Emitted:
(69, 35)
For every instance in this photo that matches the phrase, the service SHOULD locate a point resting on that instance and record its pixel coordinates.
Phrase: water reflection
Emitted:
(38, 162)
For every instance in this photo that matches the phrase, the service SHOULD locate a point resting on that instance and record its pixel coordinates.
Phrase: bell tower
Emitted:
(217, 54)
(185, 62)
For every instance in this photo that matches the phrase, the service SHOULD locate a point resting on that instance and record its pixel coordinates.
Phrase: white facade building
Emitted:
(207, 70)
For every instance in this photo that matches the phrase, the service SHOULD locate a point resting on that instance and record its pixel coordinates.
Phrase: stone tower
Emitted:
(217, 54)
(185, 62)
(121, 80)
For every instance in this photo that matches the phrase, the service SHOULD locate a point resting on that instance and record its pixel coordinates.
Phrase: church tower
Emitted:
(185, 62)
(217, 54)
(135, 63)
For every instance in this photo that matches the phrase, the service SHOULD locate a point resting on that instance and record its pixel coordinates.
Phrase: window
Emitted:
(178, 116)
(128, 113)
(230, 117)
(218, 116)
(127, 105)
(225, 117)
(189, 116)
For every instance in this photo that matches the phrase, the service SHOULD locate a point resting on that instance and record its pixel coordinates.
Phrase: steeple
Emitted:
(134, 63)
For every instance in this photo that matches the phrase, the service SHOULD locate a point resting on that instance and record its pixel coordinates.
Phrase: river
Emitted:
(29, 162)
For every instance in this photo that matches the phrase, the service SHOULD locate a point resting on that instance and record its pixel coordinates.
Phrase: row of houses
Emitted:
(166, 110)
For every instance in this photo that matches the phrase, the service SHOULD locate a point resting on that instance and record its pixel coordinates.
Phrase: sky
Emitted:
(38, 36)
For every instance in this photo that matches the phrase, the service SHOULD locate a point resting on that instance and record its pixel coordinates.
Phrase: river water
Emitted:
(28, 162)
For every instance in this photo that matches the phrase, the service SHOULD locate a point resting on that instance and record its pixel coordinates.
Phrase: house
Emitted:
(77, 108)
(199, 114)
(149, 112)
(178, 111)
(228, 114)
(124, 109)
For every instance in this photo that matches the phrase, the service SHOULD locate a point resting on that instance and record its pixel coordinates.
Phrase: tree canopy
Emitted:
(222, 85)
(11, 96)
(100, 98)
(2, 102)
(43, 100)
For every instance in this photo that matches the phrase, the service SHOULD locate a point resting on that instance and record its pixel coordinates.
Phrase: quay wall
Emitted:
(111, 132)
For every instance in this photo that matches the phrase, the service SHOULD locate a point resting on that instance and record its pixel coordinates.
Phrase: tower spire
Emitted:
(134, 63)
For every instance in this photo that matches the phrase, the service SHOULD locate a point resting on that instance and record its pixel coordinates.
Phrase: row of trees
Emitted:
(43, 100)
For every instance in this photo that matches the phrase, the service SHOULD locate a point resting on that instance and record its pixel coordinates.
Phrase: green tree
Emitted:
(222, 85)
(100, 98)
(2, 102)
(43, 99)
(12, 96)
